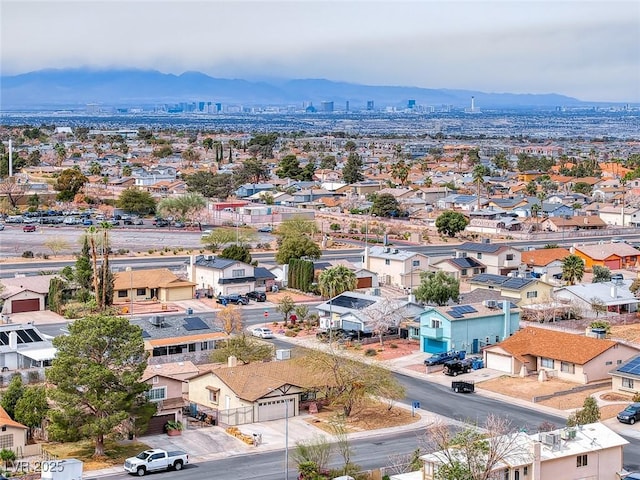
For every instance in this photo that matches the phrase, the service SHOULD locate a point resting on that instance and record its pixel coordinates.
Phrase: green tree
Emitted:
(352, 171)
(127, 171)
(252, 171)
(289, 167)
(244, 348)
(285, 306)
(134, 200)
(601, 274)
(400, 171)
(32, 407)
(451, 223)
(328, 163)
(186, 206)
(336, 280)
(56, 293)
(589, 413)
(572, 269)
(12, 395)
(69, 183)
(242, 253)
(308, 172)
(163, 152)
(385, 205)
(297, 247)
(207, 143)
(501, 161)
(209, 185)
(295, 227)
(582, 187)
(61, 153)
(7, 456)
(223, 236)
(96, 378)
(262, 145)
(83, 270)
(437, 287)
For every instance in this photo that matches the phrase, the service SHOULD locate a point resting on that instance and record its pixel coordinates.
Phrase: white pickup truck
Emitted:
(154, 460)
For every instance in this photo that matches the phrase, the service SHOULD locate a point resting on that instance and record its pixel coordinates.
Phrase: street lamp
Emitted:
(130, 290)
(286, 439)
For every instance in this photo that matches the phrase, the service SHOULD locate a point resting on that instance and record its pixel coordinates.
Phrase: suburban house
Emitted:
(265, 279)
(625, 378)
(255, 392)
(460, 267)
(399, 268)
(249, 189)
(615, 215)
(25, 294)
(467, 327)
(169, 390)
(571, 224)
(221, 276)
(535, 349)
(364, 278)
(497, 259)
(13, 435)
(523, 291)
(595, 298)
(23, 346)
(611, 255)
(179, 339)
(591, 451)
(160, 284)
(545, 261)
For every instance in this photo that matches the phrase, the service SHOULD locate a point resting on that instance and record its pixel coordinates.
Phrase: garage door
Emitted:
(156, 424)
(502, 363)
(239, 289)
(29, 305)
(612, 264)
(275, 409)
(433, 346)
(364, 282)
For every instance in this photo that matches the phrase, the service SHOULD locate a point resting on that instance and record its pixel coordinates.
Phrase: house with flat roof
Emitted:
(567, 356)
(591, 299)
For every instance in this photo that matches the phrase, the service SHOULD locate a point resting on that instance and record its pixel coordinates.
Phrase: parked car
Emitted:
(454, 368)
(267, 229)
(630, 415)
(234, 298)
(257, 296)
(441, 358)
(29, 228)
(154, 460)
(178, 224)
(161, 222)
(463, 387)
(1, 226)
(87, 221)
(262, 332)
(127, 221)
(138, 221)
(114, 222)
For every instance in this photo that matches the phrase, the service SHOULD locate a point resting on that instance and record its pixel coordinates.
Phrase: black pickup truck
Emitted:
(463, 387)
(457, 367)
(443, 357)
(234, 298)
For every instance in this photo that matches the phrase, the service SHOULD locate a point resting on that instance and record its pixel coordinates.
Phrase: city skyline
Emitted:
(589, 50)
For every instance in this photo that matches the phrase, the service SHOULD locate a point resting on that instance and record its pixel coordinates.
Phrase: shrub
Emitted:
(27, 254)
(151, 251)
(393, 345)
(123, 251)
(370, 352)
(290, 333)
(33, 376)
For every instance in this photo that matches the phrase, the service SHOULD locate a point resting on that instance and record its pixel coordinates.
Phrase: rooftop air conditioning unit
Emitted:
(568, 434)
(490, 303)
(550, 438)
(395, 250)
(282, 354)
(156, 320)
(386, 250)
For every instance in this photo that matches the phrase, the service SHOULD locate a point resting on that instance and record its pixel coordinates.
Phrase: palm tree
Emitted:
(479, 171)
(336, 280)
(572, 269)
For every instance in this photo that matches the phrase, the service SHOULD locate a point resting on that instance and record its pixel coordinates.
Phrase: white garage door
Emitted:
(275, 409)
(239, 289)
(502, 363)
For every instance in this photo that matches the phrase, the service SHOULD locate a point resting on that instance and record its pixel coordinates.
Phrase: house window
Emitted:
(525, 471)
(516, 475)
(155, 380)
(436, 323)
(546, 362)
(157, 394)
(509, 256)
(476, 271)
(213, 395)
(159, 351)
(122, 293)
(533, 294)
(627, 382)
(618, 362)
(204, 346)
(415, 263)
(581, 460)
(176, 349)
(6, 441)
(479, 255)
(192, 347)
(238, 273)
(387, 261)
(463, 272)
(608, 363)
(567, 367)
(141, 292)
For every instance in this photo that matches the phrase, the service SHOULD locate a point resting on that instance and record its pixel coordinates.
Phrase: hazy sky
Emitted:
(585, 49)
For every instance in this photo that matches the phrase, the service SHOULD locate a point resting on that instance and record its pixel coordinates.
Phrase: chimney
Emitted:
(506, 310)
(614, 291)
(10, 159)
(232, 361)
(13, 340)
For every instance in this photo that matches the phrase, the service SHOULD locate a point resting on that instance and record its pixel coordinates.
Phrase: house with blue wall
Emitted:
(467, 327)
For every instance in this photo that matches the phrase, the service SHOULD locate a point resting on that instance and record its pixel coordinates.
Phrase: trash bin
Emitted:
(189, 311)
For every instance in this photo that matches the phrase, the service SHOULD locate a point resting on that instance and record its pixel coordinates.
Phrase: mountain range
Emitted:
(67, 88)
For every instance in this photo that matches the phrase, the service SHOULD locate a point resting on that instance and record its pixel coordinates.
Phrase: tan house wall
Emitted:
(24, 295)
(602, 464)
(19, 437)
(599, 368)
(177, 293)
(227, 399)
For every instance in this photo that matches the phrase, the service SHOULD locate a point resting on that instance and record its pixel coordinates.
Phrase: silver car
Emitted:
(262, 332)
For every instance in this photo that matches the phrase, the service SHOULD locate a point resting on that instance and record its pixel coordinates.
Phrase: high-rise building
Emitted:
(369, 104)
(326, 107)
(411, 104)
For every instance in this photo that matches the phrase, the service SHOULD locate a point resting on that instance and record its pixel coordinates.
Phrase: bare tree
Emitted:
(230, 319)
(12, 190)
(56, 245)
(382, 316)
(473, 452)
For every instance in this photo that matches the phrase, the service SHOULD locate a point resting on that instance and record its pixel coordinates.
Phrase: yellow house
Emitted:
(523, 291)
(160, 284)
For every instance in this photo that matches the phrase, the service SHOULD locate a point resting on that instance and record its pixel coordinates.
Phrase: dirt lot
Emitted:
(371, 416)
(529, 387)
(630, 333)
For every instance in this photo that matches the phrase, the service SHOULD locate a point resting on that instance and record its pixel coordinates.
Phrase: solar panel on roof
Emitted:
(455, 314)
(195, 323)
(466, 309)
(633, 367)
(351, 302)
(145, 334)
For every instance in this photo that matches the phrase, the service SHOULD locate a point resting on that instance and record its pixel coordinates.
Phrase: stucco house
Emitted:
(25, 294)
(255, 392)
(625, 378)
(13, 435)
(158, 283)
(611, 255)
(613, 296)
(545, 261)
(522, 291)
(400, 268)
(591, 451)
(498, 259)
(221, 276)
(567, 356)
(467, 327)
(168, 391)
(23, 346)
(460, 267)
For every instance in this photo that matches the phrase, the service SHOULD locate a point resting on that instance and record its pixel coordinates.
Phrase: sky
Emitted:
(585, 49)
